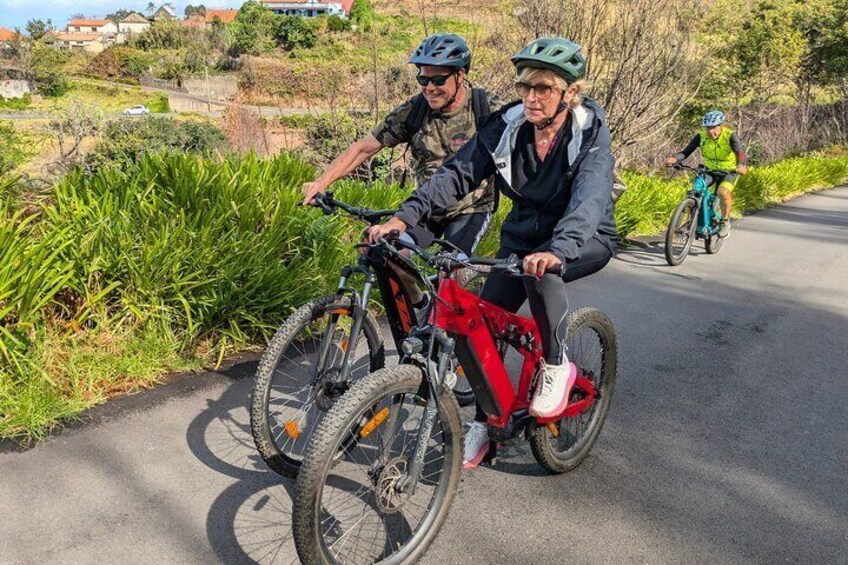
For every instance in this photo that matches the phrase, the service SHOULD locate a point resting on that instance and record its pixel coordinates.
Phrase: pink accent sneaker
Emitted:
(551, 396)
(476, 445)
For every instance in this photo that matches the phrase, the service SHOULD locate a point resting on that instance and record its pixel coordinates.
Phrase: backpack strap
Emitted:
(416, 117)
(480, 105)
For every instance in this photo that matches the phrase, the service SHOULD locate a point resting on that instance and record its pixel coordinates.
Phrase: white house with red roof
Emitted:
(6, 36)
(91, 26)
(309, 8)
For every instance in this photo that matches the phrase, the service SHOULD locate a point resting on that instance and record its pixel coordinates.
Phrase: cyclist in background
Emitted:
(722, 153)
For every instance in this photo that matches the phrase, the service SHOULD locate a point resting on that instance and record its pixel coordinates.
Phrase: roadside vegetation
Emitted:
(152, 245)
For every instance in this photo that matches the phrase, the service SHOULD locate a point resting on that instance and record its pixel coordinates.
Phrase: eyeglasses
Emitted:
(437, 80)
(543, 91)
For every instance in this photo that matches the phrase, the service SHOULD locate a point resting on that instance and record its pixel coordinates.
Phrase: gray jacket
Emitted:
(562, 222)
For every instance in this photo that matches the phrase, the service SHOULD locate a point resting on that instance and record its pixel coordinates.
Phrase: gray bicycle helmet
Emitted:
(712, 119)
(443, 50)
(556, 54)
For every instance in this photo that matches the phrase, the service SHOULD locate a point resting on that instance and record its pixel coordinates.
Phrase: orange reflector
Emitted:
(553, 429)
(292, 429)
(460, 371)
(339, 311)
(344, 345)
(372, 424)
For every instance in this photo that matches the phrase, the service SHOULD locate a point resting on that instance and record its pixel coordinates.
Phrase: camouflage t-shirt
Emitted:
(440, 137)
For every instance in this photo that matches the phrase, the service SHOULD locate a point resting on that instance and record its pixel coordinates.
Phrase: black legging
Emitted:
(547, 297)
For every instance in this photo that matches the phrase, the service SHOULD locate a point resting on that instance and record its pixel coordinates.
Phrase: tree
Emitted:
(119, 15)
(362, 13)
(71, 127)
(195, 11)
(37, 29)
(252, 30)
(294, 31)
(638, 59)
(824, 24)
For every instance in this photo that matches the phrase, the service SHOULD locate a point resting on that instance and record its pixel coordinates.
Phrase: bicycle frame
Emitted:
(706, 199)
(475, 324)
(376, 267)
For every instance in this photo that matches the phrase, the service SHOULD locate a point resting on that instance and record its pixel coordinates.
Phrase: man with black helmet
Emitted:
(550, 154)
(435, 123)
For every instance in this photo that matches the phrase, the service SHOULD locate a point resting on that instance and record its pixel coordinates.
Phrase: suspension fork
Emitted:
(359, 301)
(360, 309)
(435, 384)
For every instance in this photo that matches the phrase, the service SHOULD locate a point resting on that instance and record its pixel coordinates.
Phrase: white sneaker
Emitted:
(476, 445)
(553, 390)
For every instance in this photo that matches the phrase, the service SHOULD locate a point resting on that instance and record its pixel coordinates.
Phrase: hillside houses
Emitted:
(95, 35)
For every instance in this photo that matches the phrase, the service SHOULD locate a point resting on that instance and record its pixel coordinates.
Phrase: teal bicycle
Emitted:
(697, 217)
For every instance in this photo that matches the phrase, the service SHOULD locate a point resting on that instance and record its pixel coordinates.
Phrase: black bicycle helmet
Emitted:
(556, 54)
(443, 50)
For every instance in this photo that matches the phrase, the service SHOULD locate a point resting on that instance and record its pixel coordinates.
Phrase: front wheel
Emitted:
(591, 343)
(681, 231)
(713, 243)
(351, 505)
(294, 388)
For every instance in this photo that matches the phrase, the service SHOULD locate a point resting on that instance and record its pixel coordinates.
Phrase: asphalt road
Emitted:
(727, 441)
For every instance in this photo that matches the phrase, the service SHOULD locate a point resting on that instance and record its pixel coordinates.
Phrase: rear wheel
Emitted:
(681, 232)
(591, 343)
(349, 506)
(292, 391)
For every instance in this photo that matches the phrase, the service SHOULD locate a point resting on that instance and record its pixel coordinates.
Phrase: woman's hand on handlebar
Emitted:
(537, 263)
(374, 233)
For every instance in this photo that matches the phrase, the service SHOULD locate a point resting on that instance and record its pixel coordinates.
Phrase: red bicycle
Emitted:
(383, 466)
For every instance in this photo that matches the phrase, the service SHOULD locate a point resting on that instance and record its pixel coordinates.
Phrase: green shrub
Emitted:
(295, 31)
(336, 24)
(11, 153)
(126, 141)
(17, 104)
(51, 84)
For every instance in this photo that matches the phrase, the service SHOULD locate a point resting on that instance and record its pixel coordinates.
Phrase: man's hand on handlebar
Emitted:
(537, 263)
(374, 233)
(671, 161)
(310, 190)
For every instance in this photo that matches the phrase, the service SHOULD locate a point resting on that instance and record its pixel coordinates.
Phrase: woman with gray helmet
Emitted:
(550, 154)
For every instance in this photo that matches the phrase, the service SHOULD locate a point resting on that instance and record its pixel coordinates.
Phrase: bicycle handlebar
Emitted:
(443, 260)
(328, 205)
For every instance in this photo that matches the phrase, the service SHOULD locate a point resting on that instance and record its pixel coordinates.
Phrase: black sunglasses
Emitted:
(438, 80)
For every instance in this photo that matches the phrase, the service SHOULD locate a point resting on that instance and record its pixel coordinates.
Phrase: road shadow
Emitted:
(250, 521)
(650, 252)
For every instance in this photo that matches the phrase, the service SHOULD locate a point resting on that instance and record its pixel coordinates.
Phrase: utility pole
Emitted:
(208, 94)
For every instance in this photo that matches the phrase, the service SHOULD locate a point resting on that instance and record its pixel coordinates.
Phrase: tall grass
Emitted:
(131, 272)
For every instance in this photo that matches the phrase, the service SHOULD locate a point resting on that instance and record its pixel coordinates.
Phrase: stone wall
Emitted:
(14, 88)
(220, 87)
